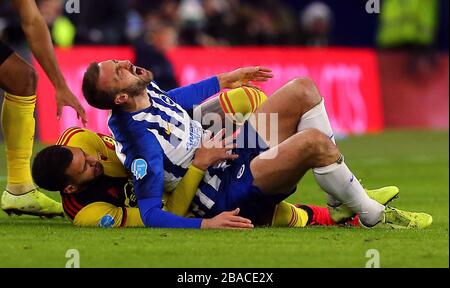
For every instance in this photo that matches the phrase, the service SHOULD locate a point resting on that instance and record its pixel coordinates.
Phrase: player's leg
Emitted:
(290, 103)
(300, 106)
(317, 118)
(230, 109)
(312, 149)
(320, 216)
(295, 156)
(292, 216)
(18, 80)
(301, 215)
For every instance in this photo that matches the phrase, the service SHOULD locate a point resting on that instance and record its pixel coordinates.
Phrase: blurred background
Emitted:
(376, 70)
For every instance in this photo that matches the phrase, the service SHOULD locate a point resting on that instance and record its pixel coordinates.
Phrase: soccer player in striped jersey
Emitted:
(104, 195)
(156, 141)
(97, 191)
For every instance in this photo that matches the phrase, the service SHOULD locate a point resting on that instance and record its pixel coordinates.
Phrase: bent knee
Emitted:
(24, 80)
(319, 146)
(303, 82)
(30, 81)
(306, 92)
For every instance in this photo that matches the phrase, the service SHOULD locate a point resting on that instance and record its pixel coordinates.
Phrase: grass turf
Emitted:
(416, 161)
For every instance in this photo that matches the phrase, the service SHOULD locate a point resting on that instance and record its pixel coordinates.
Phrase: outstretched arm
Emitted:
(194, 94)
(38, 36)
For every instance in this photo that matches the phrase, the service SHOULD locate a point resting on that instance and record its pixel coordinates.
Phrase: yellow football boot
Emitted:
(384, 195)
(399, 219)
(33, 203)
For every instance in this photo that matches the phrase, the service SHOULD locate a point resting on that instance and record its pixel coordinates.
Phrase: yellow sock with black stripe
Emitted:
(18, 125)
(241, 102)
(287, 215)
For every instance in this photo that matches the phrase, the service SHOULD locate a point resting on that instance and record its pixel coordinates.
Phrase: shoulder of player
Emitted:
(130, 130)
(122, 121)
(81, 138)
(72, 205)
(68, 134)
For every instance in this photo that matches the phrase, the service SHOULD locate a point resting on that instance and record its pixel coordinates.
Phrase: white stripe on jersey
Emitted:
(119, 153)
(117, 145)
(170, 112)
(155, 86)
(213, 181)
(188, 161)
(205, 200)
(143, 116)
(179, 155)
(170, 181)
(168, 101)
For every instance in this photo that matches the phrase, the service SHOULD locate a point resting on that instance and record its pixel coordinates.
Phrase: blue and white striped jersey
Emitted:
(157, 144)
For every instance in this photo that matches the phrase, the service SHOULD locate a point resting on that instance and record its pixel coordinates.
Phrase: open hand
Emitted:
(213, 150)
(242, 77)
(227, 220)
(65, 97)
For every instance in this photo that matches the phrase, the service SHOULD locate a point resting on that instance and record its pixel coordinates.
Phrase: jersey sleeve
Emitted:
(179, 201)
(102, 214)
(190, 95)
(147, 168)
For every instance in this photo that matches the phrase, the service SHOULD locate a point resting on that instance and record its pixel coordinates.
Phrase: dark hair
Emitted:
(101, 99)
(49, 168)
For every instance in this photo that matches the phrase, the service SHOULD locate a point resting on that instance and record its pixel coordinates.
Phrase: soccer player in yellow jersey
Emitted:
(18, 80)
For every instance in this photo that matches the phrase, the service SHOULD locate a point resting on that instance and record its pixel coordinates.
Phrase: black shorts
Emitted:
(5, 52)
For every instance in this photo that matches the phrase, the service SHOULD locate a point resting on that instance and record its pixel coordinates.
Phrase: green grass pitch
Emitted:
(416, 161)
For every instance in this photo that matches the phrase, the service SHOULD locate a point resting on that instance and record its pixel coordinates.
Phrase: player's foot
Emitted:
(399, 219)
(383, 195)
(340, 214)
(32, 203)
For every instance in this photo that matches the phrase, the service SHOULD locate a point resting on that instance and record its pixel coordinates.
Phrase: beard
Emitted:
(136, 89)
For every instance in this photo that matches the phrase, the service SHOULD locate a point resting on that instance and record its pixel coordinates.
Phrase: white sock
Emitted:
(317, 118)
(339, 182)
